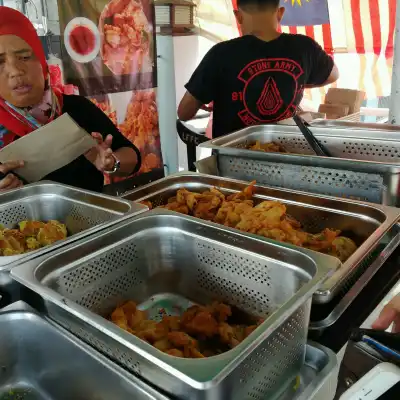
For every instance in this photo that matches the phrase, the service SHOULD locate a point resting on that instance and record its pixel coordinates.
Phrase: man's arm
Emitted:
(188, 107)
(323, 70)
(333, 77)
(201, 86)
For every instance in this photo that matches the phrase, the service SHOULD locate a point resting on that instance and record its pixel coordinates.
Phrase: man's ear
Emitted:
(281, 12)
(238, 16)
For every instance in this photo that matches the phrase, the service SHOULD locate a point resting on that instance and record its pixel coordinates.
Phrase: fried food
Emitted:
(125, 37)
(30, 236)
(269, 147)
(201, 331)
(141, 127)
(268, 219)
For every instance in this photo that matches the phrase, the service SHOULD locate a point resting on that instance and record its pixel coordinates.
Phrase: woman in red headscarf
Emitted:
(27, 101)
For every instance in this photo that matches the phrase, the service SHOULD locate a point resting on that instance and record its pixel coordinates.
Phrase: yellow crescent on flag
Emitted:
(299, 2)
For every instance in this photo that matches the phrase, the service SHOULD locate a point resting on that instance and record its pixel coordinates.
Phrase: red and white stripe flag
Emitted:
(370, 26)
(366, 61)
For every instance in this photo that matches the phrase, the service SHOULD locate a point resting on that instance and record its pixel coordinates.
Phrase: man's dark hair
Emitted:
(261, 4)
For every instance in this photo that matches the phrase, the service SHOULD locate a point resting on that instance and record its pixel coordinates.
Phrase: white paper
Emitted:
(48, 148)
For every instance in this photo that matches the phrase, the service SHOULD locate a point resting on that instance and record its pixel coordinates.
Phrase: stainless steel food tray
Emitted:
(317, 373)
(367, 223)
(41, 361)
(161, 253)
(365, 163)
(350, 125)
(82, 211)
(350, 293)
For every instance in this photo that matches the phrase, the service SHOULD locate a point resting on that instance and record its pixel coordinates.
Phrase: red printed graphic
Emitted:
(271, 90)
(270, 100)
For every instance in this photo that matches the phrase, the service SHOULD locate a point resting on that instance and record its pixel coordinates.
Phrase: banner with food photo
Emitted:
(108, 53)
(135, 114)
(108, 46)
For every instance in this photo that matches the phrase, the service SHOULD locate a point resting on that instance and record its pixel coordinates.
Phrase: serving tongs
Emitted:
(319, 148)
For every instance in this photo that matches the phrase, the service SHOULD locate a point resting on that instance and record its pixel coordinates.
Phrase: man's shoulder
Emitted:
(229, 44)
(298, 39)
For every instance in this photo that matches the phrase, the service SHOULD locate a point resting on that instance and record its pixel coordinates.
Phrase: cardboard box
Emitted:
(334, 111)
(345, 97)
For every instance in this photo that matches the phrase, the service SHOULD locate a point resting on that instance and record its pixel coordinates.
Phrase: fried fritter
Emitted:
(269, 147)
(187, 336)
(268, 219)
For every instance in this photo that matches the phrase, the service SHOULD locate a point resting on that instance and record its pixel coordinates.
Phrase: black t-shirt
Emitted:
(253, 82)
(81, 172)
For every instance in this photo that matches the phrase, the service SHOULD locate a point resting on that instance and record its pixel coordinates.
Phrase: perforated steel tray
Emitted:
(349, 125)
(365, 163)
(317, 373)
(365, 223)
(41, 361)
(83, 212)
(162, 252)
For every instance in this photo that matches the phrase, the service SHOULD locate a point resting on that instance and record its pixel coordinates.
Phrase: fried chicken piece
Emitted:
(14, 234)
(32, 243)
(275, 233)
(152, 331)
(292, 221)
(342, 248)
(220, 311)
(230, 212)
(119, 318)
(51, 232)
(163, 345)
(135, 319)
(175, 353)
(129, 307)
(322, 241)
(207, 205)
(266, 215)
(200, 322)
(172, 323)
(30, 228)
(233, 335)
(181, 339)
(12, 242)
(183, 196)
(246, 194)
(192, 352)
(270, 147)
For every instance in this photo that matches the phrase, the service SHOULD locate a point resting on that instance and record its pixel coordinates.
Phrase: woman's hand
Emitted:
(101, 156)
(390, 314)
(10, 181)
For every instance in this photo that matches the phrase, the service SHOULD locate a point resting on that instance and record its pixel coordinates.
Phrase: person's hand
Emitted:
(101, 156)
(390, 314)
(10, 181)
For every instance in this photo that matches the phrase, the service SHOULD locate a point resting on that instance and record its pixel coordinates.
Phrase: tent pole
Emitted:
(394, 111)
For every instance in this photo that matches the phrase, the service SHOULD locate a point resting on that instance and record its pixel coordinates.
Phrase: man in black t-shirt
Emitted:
(258, 78)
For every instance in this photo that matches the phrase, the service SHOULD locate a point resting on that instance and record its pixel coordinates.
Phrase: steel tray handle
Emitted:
(359, 285)
(392, 218)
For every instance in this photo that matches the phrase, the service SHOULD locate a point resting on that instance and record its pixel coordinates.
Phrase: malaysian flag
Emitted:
(311, 18)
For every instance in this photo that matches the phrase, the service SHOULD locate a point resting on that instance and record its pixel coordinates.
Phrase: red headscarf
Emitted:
(12, 22)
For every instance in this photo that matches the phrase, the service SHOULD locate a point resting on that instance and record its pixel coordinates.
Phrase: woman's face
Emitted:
(21, 74)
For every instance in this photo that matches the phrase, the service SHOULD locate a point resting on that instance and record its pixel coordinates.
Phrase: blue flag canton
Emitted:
(305, 13)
